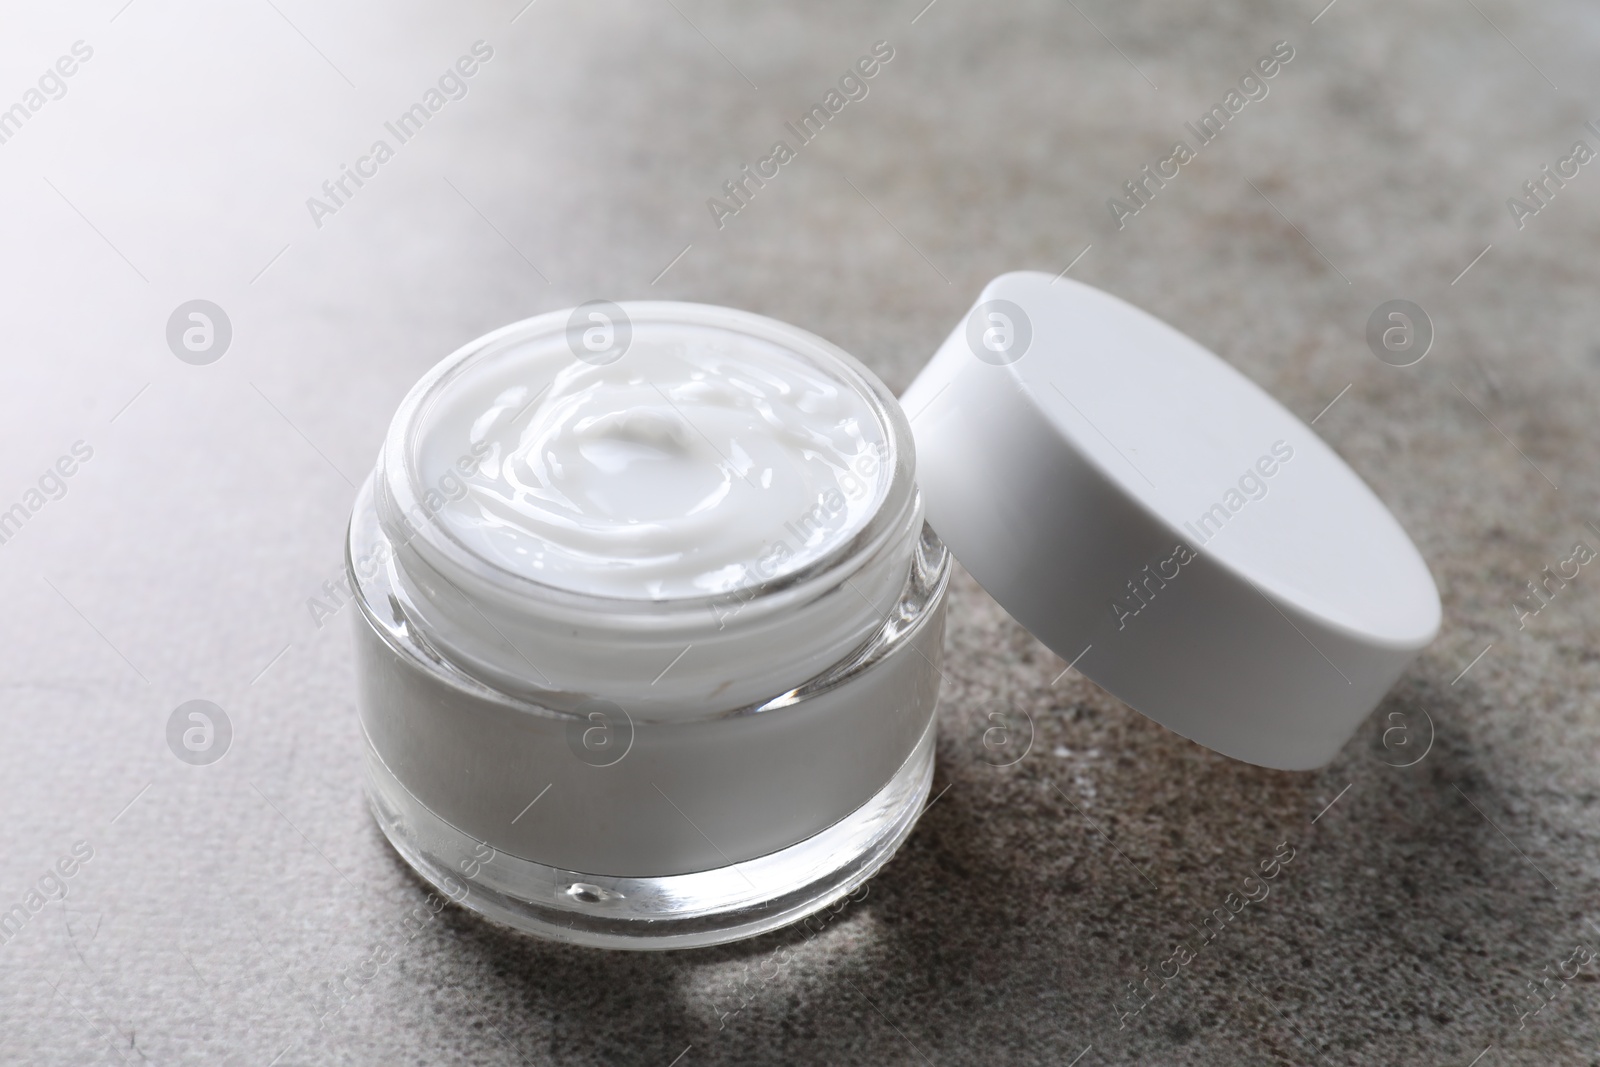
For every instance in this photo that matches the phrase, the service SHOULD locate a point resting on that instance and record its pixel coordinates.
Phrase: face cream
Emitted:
(662, 475)
(651, 625)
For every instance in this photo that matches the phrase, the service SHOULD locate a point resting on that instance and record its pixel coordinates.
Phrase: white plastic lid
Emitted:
(1159, 521)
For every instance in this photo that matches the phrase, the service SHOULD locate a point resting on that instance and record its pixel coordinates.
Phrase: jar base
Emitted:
(709, 907)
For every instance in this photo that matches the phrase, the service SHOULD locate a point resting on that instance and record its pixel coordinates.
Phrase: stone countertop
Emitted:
(176, 563)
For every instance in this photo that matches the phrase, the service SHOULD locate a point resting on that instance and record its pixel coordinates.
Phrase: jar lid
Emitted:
(1164, 525)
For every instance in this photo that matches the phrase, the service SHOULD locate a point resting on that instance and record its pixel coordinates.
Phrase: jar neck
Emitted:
(658, 660)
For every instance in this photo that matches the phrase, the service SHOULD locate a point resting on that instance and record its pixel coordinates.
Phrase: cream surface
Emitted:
(702, 461)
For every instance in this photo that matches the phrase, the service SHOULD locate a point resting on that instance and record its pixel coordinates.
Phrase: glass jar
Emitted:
(622, 769)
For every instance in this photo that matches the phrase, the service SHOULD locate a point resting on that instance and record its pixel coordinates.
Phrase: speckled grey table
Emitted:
(1425, 909)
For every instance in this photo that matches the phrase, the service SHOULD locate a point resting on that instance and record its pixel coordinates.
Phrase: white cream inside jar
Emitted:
(709, 512)
(699, 462)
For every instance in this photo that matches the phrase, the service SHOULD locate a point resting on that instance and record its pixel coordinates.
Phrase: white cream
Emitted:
(700, 462)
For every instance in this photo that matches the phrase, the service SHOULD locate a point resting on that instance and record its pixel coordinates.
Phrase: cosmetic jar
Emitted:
(650, 625)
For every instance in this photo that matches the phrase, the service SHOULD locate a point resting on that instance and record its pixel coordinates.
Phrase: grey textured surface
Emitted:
(223, 901)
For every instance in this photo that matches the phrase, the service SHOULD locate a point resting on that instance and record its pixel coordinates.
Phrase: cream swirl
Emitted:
(701, 462)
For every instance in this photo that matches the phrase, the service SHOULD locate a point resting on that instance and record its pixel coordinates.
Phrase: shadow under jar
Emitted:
(650, 625)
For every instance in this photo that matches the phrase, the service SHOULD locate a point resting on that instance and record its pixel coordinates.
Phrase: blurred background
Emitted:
(238, 907)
